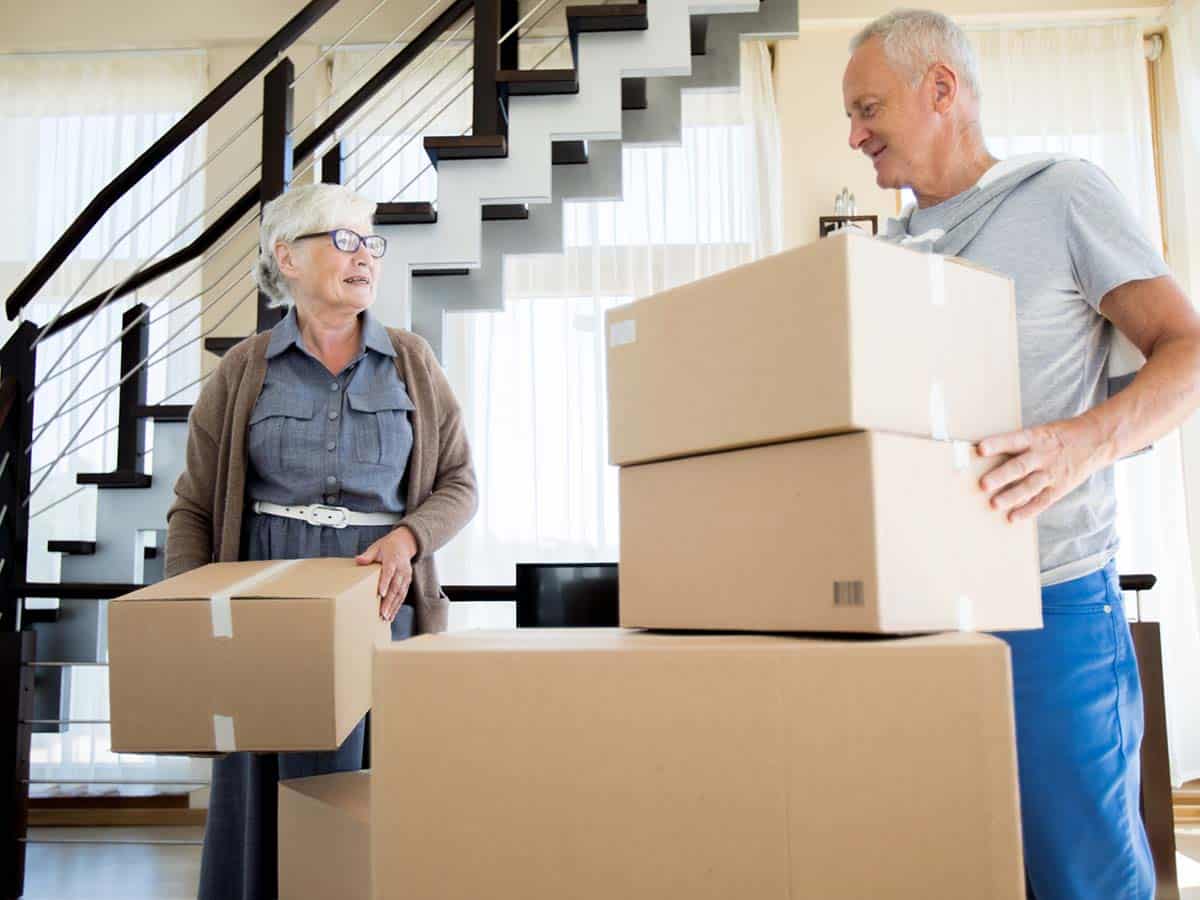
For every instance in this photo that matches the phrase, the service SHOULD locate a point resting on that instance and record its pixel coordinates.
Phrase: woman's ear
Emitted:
(286, 258)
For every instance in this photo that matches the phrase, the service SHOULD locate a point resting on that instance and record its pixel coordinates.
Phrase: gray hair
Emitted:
(916, 39)
(302, 210)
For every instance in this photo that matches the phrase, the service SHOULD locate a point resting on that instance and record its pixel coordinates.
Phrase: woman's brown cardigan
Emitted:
(204, 523)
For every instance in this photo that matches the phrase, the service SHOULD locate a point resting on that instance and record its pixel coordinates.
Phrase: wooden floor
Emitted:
(82, 871)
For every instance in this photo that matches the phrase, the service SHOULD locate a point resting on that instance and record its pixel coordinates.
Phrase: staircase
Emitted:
(539, 137)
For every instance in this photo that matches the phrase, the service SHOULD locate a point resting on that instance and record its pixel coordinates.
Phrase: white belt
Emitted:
(333, 516)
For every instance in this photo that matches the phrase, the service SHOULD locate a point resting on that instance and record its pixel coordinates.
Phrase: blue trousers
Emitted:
(1078, 703)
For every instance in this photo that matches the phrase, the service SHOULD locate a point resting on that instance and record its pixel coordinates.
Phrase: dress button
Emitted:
(332, 445)
(329, 498)
(331, 480)
(1107, 608)
(333, 414)
(334, 386)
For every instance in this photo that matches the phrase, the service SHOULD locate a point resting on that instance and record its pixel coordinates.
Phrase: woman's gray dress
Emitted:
(313, 438)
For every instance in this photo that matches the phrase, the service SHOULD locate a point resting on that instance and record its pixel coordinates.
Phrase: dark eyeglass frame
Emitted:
(360, 240)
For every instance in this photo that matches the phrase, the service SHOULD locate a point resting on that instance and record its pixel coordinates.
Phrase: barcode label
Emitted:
(848, 593)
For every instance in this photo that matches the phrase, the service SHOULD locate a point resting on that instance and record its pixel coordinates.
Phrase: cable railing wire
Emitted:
(225, 146)
(144, 364)
(400, 149)
(106, 432)
(429, 58)
(362, 113)
(108, 299)
(338, 92)
(353, 28)
(236, 263)
(70, 394)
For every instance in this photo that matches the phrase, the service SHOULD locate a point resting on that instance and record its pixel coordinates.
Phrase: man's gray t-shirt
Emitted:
(1066, 237)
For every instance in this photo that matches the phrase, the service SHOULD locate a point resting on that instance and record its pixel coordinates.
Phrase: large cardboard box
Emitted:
(842, 335)
(866, 532)
(600, 764)
(244, 656)
(324, 837)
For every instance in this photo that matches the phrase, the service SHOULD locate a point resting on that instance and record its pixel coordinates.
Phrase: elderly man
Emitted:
(1080, 263)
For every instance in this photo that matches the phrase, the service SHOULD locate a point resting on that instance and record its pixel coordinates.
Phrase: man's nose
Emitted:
(859, 135)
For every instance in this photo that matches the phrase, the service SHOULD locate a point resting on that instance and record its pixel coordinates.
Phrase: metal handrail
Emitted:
(215, 100)
(337, 91)
(315, 140)
(144, 364)
(228, 239)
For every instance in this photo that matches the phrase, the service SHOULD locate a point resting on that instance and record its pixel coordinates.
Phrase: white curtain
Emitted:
(1083, 89)
(68, 124)
(531, 379)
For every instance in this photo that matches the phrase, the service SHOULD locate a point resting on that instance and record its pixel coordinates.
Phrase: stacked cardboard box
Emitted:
(775, 426)
(906, 357)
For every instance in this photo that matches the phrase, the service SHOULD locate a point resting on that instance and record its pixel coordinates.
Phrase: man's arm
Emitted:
(1052, 460)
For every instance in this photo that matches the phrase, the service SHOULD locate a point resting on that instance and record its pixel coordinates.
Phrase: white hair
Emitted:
(914, 40)
(303, 210)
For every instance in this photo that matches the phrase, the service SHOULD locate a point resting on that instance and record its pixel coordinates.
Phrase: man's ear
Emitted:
(944, 81)
(285, 257)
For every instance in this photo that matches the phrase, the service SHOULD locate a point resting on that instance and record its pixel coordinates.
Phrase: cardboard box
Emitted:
(244, 656)
(324, 837)
(864, 532)
(842, 335)
(599, 764)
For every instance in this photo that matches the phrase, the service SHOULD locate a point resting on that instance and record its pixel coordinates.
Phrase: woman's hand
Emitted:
(395, 552)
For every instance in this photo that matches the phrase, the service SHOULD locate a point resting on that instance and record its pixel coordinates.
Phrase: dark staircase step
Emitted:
(699, 35)
(537, 82)
(219, 346)
(467, 146)
(438, 273)
(423, 213)
(633, 93)
(165, 412)
(114, 479)
(569, 153)
(72, 548)
(604, 17)
(505, 212)
(420, 213)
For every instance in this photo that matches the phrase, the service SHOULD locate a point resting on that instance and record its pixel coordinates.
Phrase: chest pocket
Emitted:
(280, 428)
(381, 428)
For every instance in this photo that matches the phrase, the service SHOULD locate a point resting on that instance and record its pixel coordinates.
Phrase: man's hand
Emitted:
(1048, 462)
(395, 551)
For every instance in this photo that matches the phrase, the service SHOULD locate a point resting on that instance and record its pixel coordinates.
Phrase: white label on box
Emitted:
(622, 333)
(223, 737)
(937, 279)
(966, 614)
(962, 455)
(937, 412)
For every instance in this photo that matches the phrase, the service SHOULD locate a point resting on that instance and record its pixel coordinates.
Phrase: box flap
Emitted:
(304, 579)
(575, 640)
(349, 792)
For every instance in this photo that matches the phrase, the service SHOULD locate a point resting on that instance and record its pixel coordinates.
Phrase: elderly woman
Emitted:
(330, 435)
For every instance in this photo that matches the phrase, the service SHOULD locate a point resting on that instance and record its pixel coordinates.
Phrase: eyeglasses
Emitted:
(349, 241)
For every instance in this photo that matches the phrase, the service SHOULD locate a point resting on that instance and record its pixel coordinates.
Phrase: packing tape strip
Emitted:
(937, 412)
(966, 613)
(962, 455)
(223, 737)
(937, 279)
(221, 606)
